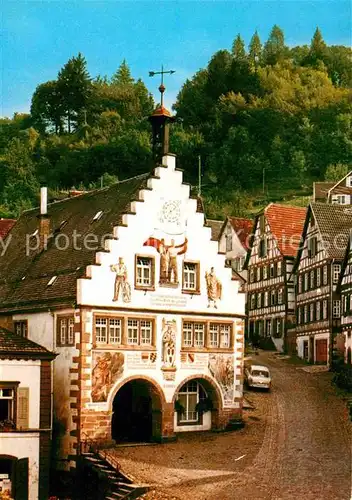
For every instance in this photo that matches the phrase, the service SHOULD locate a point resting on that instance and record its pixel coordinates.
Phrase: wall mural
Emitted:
(121, 284)
(214, 288)
(107, 368)
(168, 352)
(168, 258)
(221, 366)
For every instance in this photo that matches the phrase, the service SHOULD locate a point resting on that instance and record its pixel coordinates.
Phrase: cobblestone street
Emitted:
(296, 445)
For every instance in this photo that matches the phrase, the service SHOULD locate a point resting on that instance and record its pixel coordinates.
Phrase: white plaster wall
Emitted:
(317, 336)
(300, 351)
(40, 328)
(28, 374)
(24, 446)
(99, 290)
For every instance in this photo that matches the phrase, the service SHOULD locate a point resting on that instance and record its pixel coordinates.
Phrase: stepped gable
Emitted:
(286, 224)
(243, 228)
(24, 276)
(5, 227)
(13, 345)
(334, 223)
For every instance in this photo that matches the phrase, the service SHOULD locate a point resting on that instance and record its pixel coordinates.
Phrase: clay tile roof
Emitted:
(12, 345)
(24, 276)
(286, 224)
(334, 223)
(5, 226)
(243, 229)
(215, 226)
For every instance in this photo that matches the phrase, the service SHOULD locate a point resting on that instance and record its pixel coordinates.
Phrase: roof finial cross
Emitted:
(162, 87)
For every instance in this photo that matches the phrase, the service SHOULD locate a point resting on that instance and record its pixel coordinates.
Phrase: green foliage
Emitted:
(275, 50)
(336, 172)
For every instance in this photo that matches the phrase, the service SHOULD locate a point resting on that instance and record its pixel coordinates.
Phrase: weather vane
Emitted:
(162, 87)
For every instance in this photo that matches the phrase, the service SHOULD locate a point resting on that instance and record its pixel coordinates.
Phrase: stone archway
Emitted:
(213, 393)
(137, 405)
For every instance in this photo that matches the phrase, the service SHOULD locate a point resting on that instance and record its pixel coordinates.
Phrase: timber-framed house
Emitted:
(318, 268)
(270, 286)
(345, 288)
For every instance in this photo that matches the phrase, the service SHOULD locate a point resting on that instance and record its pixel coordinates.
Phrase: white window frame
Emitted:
(144, 271)
(115, 330)
(191, 388)
(187, 334)
(266, 299)
(279, 268)
(259, 300)
(306, 313)
(325, 275)
(311, 311)
(318, 271)
(336, 269)
(306, 282)
(336, 309)
(265, 272)
(280, 296)
(190, 276)
(11, 399)
(325, 309)
(317, 311)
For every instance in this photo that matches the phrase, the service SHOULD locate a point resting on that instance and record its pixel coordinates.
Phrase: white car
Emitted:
(258, 376)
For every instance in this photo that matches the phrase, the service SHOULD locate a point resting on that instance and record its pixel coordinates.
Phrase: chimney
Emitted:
(44, 221)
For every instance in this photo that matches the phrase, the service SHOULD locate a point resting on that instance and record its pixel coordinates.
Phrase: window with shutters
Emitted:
(191, 277)
(21, 328)
(144, 272)
(65, 330)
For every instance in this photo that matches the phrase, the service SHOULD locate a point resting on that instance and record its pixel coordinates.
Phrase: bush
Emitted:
(343, 378)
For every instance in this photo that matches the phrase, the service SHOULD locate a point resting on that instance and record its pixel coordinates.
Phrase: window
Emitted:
(190, 277)
(336, 308)
(266, 299)
(65, 331)
(139, 332)
(263, 247)
(300, 282)
(272, 270)
(312, 247)
(325, 309)
(251, 275)
(336, 268)
(280, 296)
(317, 311)
(272, 297)
(220, 335)
(253, 301)
(193, 334)
(351, 302)
(349, 181)
(258, 273)
(325, 275)
(306, 314)
(279, 268)
(278, 327)
(340, 199)
(265, 273)
(259, 300)
(318, 271)
(299, 315)
(7, 402)
(144, 275)
(312, 280)
(268, 328)
(189, 396)
(115, 331)
(306, 277)
(312, 311)
(21, 328)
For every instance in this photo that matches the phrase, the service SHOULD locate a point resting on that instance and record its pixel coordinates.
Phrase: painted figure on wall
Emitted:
(214, 288)
(121, 284)
(221, 366)
(108, 367)
(168, 258)
(169, 343)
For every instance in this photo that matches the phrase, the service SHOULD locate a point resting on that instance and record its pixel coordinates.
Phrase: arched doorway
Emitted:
(197, 402)
(137, 412)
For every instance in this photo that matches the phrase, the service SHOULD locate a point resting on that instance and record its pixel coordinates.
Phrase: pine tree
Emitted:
(123, 75)
(74, 86)
(255, 49)
(238, 49)
(317, 47)
(275, 49)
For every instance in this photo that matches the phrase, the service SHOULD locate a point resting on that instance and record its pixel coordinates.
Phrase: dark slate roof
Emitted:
(12, 345)
(5, 226)
(215, 226)
(24, 276)
(334, 223)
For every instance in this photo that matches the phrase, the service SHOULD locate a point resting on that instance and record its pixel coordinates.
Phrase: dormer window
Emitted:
(349, 181)
(97, 216)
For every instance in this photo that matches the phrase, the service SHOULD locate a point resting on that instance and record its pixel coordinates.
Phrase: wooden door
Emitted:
(321, 346)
